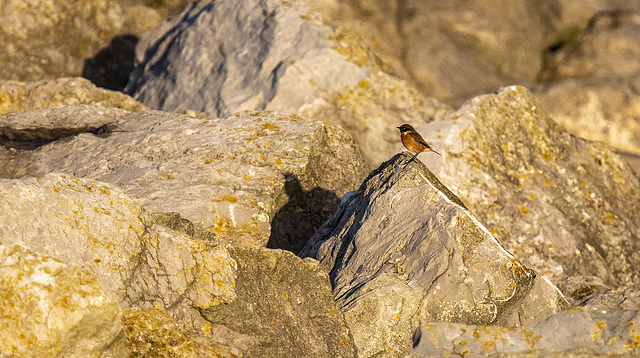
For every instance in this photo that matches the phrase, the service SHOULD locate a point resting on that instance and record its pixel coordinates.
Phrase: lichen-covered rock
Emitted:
(577, 332)
(279, 57)
(284, 308)
(51, 309)
(151, 332)
(32, 96)
(454, 50)
(563, 205)
(593, 81)
(49, 39)
(231, 177)
(91, 225)
(403, 249)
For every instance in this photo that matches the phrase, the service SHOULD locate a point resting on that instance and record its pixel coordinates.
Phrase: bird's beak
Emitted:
(398, 127)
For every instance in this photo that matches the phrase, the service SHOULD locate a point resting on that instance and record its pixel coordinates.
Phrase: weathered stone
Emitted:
(605, 110)
(453, 50)
(284, 308)
(47, 39)
(53, 309)
(403, 249)
(153, 333)
(563, 205)
(93, 226)
(577, 332)
(32, 96)
(230, 177)
(277, 58)
(594, 82)
(607, 48)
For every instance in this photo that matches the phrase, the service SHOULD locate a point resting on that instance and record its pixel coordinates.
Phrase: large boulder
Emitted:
(592, 82)
(563, 205)
(51, 309)
(457, 49)
(43, 39)
(403, 249)
(266, 298)
(577, 332)
(32, 96)
(231, 178)
(279, 57)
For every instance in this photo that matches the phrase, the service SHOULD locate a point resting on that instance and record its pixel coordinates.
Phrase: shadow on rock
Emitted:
(295, 223)
(110, 68)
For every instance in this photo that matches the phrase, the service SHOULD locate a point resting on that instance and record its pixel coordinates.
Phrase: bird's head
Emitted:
(405, 128)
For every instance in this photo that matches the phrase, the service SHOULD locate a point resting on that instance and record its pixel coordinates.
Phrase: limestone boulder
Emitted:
(563, 205)
(18, 96)
(252, 178)
(459, 49)
(51, 309)
(167, 282)
(403, 249)
(281, 56)
(43, 39)
(577, 332)
(592, 83)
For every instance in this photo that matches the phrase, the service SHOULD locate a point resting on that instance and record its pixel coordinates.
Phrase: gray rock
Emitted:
(562, 205)
(171, 283)
(605, 49)
(278, 57)
(51, 309)
(577, 332)
(403, 249)
(230, 177)
(455, 50)
(32, 96)
(284, 308)
(594, 82)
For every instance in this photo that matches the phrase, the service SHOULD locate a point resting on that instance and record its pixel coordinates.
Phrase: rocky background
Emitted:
(225, 179)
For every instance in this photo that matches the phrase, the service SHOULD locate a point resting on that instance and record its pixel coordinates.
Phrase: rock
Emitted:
(284, 308)
(32, 96)
(151, 332)
(230, 177)
(605, 49)
(455, 50)
(403, 249)
(91, 225)
(577, 332)
(593, 82)
(47, 39)
(278, 58)
(50, 39)
(170, 283)
(51, 309)
(563, 205)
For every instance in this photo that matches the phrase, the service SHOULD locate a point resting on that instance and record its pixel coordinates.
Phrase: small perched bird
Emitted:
(413, 141)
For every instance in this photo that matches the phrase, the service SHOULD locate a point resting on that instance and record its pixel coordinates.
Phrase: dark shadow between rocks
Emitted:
(295, 223)
(110, 68)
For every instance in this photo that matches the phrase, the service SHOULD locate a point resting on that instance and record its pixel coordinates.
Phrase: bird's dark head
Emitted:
(405, 128)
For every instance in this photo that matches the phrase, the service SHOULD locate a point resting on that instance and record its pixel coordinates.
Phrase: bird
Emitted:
(413, 141)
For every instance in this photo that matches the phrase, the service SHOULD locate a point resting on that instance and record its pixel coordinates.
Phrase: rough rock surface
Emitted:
(457, 49)
(47, 39)
(32, 96)
(230, 177)
(594, 82)
(276, 58)
(577, 332)
(403, 249)
(284, 308)
(266, 297)
(563, 205)
(53, 309)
